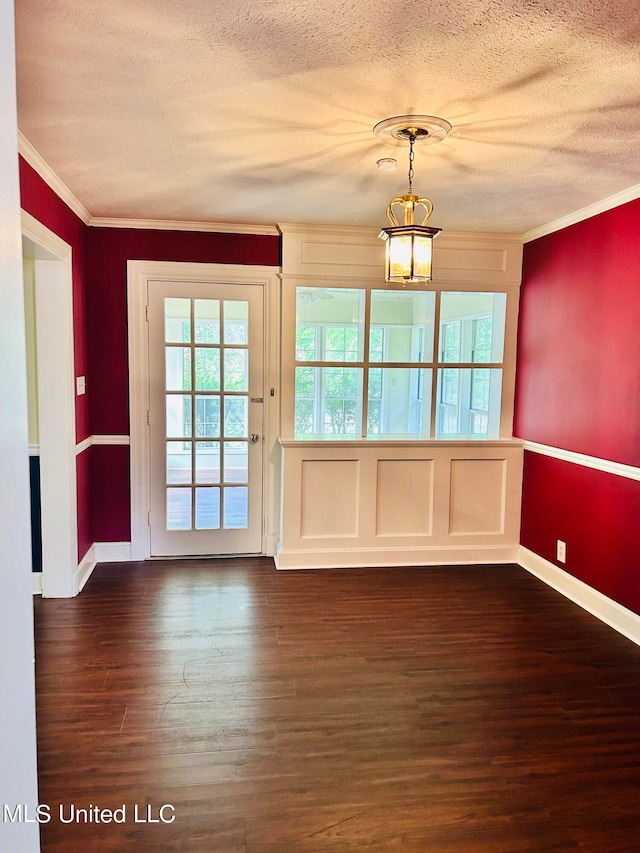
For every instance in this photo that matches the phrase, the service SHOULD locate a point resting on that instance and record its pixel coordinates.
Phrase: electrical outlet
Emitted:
(561, 551)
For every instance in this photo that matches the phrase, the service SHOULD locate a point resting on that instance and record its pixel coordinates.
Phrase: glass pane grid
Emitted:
(206, 479)
(447, 394)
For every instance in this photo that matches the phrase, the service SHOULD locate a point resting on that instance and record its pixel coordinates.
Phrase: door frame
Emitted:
(56, 408)
(139, 274)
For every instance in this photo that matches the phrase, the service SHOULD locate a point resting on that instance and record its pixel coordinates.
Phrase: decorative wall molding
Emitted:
(111, 439)
(385, 504)
(353, 558)
(112, 552)
(184, 225)
(584, 213)
(96, 440)
(625, 621)
(99, 552)
(83, 445)
(492, 260)
(617, 468)
(85, 568)
(60, 188)
(51, 179)
(37, 162)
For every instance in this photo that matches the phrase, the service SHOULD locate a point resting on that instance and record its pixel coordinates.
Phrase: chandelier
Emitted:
(410, 244)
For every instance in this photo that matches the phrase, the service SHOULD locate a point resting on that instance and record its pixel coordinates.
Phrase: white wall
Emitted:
(18, 777)
(28, 265)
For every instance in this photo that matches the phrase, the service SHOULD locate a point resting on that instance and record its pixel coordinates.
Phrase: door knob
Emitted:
(254, 437)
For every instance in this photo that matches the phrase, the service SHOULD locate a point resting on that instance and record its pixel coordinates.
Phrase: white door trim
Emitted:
(56, 405)
(139, 273)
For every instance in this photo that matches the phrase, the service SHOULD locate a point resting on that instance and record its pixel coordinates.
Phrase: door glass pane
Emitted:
(399, 401)
(472, 326)
(178, 416)
(236, 421)
(236, 321)
(207, 321)
(402, 325)
(236, 369)
(178, 462)
(178, 509)
(207, 369)
(178, 368)
(207, 462)
(236, 460)
(236, 507)
(208, 508)
(177, 320)
(208, 416)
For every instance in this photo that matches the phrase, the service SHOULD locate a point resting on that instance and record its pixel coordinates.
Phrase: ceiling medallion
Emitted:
(410, 245)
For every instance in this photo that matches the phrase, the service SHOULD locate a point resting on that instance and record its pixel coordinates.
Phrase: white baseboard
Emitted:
(271, 546)
(36, 580)
(85, 568)
(354, 558)
(625, 621)
(113, 552)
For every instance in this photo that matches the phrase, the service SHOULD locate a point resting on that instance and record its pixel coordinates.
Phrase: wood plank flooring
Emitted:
(432, 710)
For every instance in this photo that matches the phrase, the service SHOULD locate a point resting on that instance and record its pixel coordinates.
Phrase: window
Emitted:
(372, 362)
(472, 327)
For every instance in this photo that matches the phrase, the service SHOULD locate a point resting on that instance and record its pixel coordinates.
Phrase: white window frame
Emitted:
(465, 384)
(507, 365)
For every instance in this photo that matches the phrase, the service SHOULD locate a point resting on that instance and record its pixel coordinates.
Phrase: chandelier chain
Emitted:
(412, 139)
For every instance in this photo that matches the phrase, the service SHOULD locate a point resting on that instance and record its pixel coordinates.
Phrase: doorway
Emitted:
(204, 409)
(56, 407)
(205, 418)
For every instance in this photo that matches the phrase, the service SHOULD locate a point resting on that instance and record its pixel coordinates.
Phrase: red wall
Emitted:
(108, 250)
(578, 388)
(579, 338)
(38, 199)
(595, 513)
(100, 258)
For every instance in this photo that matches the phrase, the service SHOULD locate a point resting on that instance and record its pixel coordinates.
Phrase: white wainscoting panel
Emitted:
(309, 250)
(477, 496)
(375, 503)
(337, 517)
(404, 497)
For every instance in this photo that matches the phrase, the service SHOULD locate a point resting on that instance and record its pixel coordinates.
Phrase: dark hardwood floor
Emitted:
(436, 710)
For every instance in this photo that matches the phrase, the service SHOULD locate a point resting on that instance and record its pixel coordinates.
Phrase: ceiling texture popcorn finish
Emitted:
(262, 111)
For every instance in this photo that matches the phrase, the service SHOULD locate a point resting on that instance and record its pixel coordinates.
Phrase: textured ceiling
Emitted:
(262, 111)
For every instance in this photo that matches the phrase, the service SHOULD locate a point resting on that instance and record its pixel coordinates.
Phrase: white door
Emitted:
(205, 418)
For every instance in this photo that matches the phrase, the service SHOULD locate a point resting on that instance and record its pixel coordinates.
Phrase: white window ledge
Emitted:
(404, 441)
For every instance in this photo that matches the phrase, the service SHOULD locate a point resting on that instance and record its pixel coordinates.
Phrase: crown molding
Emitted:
(26, 149)
(366, 231)
(630, 194)
(327, 230)
(183, 225)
